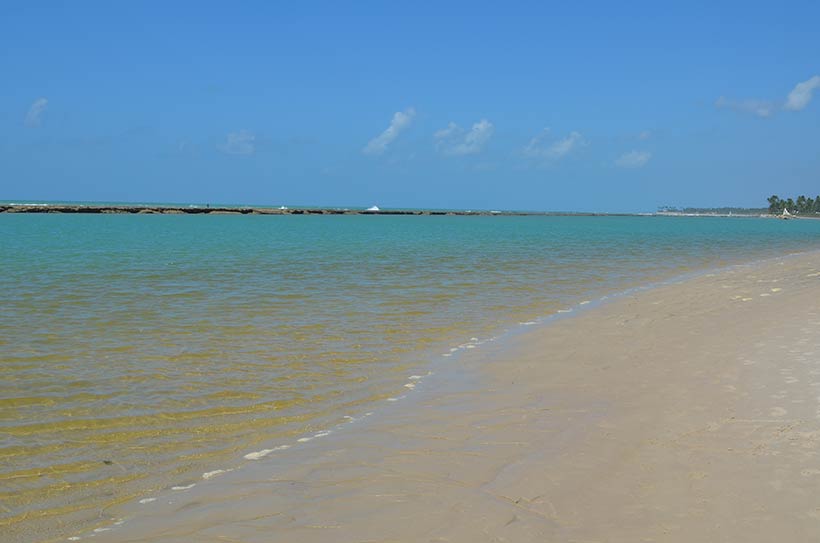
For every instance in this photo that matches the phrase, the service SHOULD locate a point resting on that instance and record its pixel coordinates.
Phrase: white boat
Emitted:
(373, 208)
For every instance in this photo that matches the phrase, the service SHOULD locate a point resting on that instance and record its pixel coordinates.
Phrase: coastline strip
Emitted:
(250, 210)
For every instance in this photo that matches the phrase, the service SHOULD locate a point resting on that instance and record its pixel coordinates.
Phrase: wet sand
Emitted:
(688, 412)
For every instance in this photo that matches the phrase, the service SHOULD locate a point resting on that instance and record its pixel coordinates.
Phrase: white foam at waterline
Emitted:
(409, 385)
(350, 420)
(264, 452)
(453, 349)
(100, 530)
(207, 475)
(416, 377)
(527, 323)
(258, 454)
(447, 354)
(322, 434)
(73, 538)
(473, 339)
(585, 302)
(147, 500)
(469, 346)
(304, 439)
(192, 485)
(564, 310)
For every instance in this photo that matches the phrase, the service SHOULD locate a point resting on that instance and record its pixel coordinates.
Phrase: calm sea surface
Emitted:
(139, 352)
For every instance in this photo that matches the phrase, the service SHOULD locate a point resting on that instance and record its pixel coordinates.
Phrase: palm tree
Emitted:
(790, 205)
(775, 204)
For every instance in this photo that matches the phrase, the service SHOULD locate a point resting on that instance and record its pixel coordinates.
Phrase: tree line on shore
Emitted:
(801, 205)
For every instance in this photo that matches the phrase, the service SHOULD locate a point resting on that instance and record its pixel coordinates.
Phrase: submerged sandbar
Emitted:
(688, 412)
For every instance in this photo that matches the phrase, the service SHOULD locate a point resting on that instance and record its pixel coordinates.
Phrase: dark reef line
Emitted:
(199, 210)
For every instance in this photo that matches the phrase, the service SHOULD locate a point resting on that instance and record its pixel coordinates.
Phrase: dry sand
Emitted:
(689, 412)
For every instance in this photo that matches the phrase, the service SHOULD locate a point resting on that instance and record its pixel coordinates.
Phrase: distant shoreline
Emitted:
(148, 209)
(748, 215)
(163, 209)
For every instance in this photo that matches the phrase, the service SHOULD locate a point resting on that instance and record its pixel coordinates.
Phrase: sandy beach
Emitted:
(685, 412)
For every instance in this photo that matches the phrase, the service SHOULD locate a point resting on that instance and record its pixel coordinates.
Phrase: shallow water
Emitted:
(138, 352)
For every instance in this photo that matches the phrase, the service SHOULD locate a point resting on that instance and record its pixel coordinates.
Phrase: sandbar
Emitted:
(685, 412)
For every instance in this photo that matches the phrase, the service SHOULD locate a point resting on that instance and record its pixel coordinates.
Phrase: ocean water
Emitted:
(139, 352)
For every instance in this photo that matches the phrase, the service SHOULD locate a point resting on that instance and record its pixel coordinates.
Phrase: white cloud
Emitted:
(35, 112)
(455, 141)
(801, 94)
(400, 121)
(633, 159)
(542, 147)
(798, 99)
(761, 108)
(239, 143)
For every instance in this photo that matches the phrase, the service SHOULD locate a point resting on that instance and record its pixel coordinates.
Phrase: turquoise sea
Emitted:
(139, 352)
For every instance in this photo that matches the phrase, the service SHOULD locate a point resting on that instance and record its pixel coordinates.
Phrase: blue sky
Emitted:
(596, 106)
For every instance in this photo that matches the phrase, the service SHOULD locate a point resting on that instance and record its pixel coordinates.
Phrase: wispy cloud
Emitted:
(400, 121)
(242, 142)
(542, 146)
(801, 94)
(645, 135)
(798, 99)
(456, 141)
(761, 108)
(35, 112)
(633, 159)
